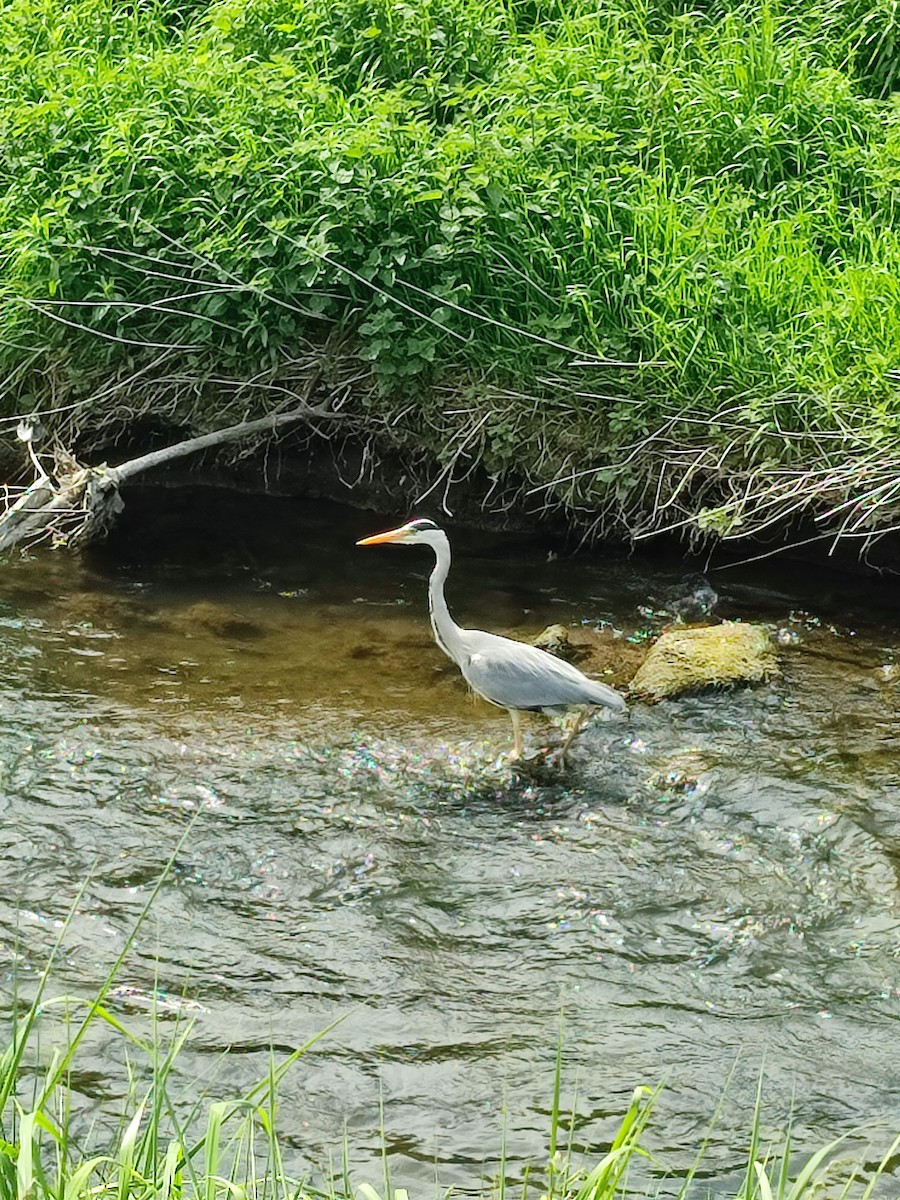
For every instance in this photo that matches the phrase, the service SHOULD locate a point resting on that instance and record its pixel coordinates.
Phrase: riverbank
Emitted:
(639, 267)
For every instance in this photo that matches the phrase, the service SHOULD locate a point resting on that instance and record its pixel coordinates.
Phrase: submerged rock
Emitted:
(205, 617)
(682, 660)
(693, 598)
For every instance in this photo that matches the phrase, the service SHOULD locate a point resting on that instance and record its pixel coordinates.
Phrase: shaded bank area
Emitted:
(83, 504)
(638, 265)
(336, 466)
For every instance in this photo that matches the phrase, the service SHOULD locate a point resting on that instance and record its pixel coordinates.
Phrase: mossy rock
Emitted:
(207, 618)
(684, 660)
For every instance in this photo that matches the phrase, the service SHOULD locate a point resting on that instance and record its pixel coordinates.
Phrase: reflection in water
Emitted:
(713, 885)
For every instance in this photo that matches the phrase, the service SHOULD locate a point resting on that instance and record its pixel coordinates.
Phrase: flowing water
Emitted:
(710, 891)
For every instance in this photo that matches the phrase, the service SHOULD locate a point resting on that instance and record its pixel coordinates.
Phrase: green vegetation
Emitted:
(444, 209)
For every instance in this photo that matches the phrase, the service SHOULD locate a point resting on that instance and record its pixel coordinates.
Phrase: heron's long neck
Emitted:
(446, 631)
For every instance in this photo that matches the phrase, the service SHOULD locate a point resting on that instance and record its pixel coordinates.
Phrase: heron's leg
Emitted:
(574, 730)
(516, 718)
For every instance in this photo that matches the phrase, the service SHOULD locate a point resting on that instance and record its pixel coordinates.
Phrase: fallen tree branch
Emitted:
(206, 441)
(74, 503)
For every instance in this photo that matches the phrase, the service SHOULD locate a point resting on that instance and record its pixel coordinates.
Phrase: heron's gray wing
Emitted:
(516, 675)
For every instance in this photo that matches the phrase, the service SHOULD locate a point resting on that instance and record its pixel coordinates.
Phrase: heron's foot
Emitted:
(537, 769)
(524, 762)
(556, 754)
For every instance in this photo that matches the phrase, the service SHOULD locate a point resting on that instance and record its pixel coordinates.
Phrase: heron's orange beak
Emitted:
(393, 535)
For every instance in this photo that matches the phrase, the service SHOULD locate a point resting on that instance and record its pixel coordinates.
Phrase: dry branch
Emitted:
(74, 503)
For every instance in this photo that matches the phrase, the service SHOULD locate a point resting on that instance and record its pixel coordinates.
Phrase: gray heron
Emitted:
(507, 673)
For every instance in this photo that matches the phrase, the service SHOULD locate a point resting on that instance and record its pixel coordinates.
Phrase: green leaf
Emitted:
(765, 1188)
(25, 1161)
(77, 1181)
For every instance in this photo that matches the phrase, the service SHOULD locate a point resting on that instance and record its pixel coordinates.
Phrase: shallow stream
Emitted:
(710, 891)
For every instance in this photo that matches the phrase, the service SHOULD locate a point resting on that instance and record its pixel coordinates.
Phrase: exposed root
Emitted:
(687, 479)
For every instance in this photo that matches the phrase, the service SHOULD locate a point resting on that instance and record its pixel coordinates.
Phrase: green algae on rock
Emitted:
(683, 660)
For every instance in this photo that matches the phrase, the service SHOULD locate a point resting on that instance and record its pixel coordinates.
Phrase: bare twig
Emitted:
(206, 441)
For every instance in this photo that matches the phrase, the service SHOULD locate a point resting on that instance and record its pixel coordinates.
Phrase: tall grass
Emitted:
(450, 202)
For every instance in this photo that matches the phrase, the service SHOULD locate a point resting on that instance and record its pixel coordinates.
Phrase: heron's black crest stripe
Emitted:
(422, 523)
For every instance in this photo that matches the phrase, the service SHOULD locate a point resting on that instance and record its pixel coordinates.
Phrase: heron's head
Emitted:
(413, 533)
